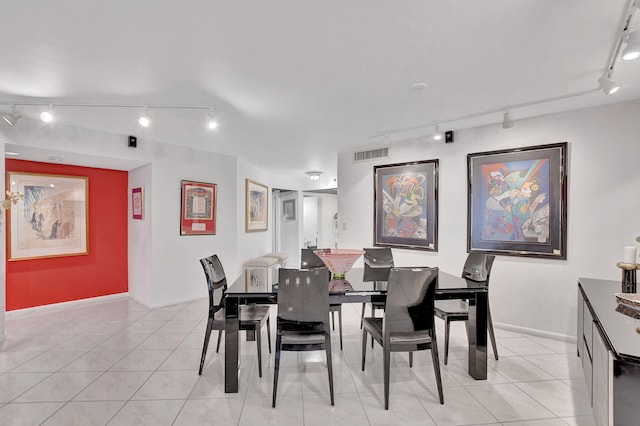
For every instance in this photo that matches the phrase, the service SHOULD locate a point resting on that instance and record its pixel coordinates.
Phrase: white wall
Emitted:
(327, 208)
(289, 230)
(140, 237)
(310, 221)
(603, 209)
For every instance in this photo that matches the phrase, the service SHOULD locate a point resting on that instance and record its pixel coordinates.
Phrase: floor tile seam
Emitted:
(554, 416)
(77, 393)
(31, 387)
(536, 399)
(549, 372)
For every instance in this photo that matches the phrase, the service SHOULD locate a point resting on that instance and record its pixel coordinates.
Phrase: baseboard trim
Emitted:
(536, 332)
(64, 305)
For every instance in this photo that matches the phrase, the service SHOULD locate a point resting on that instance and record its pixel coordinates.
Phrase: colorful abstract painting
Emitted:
(518, 201)
(406, 205)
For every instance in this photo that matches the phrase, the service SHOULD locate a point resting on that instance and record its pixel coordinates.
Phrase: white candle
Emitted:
(629, 254)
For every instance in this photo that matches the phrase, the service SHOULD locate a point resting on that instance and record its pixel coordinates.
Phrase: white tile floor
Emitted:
(116, 362)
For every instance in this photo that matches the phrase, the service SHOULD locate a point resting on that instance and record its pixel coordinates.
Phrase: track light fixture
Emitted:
(437, 135)
(47, 116)
(632, 50)
(507, 123)
(608, 86)
(11, 118)
(313, 175)
(144, 119)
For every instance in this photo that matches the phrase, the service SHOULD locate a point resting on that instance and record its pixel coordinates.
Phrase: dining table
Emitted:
(353, 289)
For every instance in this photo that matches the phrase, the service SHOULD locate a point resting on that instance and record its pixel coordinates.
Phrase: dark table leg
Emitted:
(477, 335)
(231, 344)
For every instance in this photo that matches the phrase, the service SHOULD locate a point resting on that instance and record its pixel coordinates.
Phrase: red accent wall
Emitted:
(103, 271)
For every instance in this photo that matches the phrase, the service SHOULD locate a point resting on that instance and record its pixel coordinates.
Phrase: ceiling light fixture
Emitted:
(47, 116)
(144, 119)
(608, 86)
(437, 135)
(313, 175)
(11, 118)
(632, 50)
(212, 122)
(507, 123)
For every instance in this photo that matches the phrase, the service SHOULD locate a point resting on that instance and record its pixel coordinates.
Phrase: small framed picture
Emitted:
(289, 209)
(257, 206)
(137, 203)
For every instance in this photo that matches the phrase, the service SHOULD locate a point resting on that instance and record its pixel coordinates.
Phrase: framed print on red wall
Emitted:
(51, 220)
(198, 210)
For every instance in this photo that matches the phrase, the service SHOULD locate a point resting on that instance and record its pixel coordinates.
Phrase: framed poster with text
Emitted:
(198, 208)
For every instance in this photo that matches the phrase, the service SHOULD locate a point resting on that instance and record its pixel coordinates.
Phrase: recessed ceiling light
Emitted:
(11, 153)
(417, 87)
(56, 159)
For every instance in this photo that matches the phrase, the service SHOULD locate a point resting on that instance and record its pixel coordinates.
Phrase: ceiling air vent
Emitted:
(371, 154)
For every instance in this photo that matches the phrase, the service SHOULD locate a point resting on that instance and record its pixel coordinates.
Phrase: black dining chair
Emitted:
(303, 317)
(408, 322)
(477, 270)
(310, 260)
(377, 265)
(252, 317)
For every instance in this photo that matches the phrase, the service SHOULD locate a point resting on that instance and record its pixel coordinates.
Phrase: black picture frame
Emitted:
(517, 201)
(406, 205)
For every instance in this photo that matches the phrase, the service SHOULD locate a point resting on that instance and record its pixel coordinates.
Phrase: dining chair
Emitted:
(407, 324)
(310, 260)
(377, 264)
(303, 317)
(477, 270)
(252, 317)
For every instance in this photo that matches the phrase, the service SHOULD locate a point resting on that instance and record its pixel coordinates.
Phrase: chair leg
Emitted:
(269, 334)
(219, 340)
(327, 340)
(340, 325)
(333, 321)
(364, 346)
(492, 335)
(436, 365)
(362, 316)
(258, 332)
(386, 368)
(447, 323)
(410, 359)
(207, 334)
(276, 368)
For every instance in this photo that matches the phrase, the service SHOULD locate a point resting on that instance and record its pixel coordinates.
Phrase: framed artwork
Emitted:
(198, 208)
(137, 203)
(52, 218)
(406, 205)
(257, 280)
(289, 209)
(256, 207)
(517, 201)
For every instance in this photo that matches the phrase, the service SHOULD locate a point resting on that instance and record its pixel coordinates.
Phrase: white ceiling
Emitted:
(295, 82)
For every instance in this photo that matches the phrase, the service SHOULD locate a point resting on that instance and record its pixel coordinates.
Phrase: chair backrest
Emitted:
(216, 280)
(303, 295)
(477, 268)
(377, 263)
(310, 260)
(410, 300)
